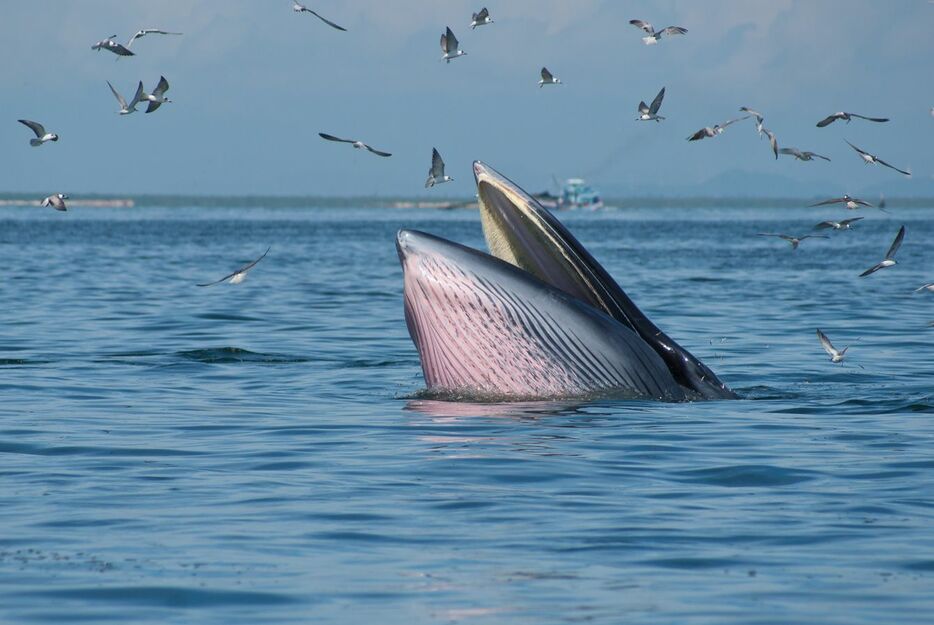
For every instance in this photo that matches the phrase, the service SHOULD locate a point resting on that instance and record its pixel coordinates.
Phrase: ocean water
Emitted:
(259, 452)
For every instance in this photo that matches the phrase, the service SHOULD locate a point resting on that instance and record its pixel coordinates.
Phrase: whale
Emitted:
(535, 318)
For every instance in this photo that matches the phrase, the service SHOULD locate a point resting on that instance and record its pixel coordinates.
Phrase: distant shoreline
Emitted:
(92, 200)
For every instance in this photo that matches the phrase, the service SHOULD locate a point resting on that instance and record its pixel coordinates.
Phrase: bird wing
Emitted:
(746, 109)
(733, 121)
(36, 127)
(117, 95)
(897, 243)
(836, 200)
(119, 48)
(547, 76)
(657, 102)
(772, 141)
(376, 152)
(482, 15)
(772, 234)
(643, 25)
(825, 224)
(139, 95)
(324, 135)
(242, 269)
(901, 171)
(674, 30)
(817, 155)
(643, 107)
(700, 134)
(326, 21)
(849, 221)
(437, 164)
(162, 87)
(153, 106)
(451, 40)
(826, 344)
(929, 285)
(813, 236)
(829, 120)
(793, 151)
(135, 36)
(858, 150)
(444, 42)
(872, 119)
(873, 269)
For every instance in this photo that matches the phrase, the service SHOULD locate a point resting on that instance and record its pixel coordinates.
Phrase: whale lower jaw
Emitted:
(486, 330)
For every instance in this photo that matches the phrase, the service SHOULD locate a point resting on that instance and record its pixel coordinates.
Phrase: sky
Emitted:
(252, 84)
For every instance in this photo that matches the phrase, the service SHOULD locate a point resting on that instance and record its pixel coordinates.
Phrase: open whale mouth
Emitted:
(522, 232)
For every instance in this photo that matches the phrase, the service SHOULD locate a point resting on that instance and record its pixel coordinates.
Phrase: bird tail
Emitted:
(35, 143)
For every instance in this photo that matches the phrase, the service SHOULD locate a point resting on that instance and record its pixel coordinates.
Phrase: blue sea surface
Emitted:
(259, 453)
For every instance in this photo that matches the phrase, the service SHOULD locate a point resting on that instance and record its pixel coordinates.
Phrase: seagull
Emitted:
(717, 129)
(847, 116)
(41, 135)
(148, 31)
(926, 287)
(650, 113)
(653, 36)
(889, 256)
(548, 78)
(56, 201)
(301, 8)
(873, 159)
(239, 275)
(449, 45)
(802, 156)
(772, 141)
(852, 203)
(758, 116)
(835, 354)
(795, 241)
(126, 109)
(157, 97)
(436, 174)
(480, 19)
(109, 44)
(357, 144)
(843, 224)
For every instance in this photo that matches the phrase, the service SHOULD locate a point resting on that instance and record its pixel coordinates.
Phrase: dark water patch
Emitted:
(747, 476)
(22, 362)
(76, 450)
(165, 596)
(924, 566)
(229, 355)
(225, 317)
(693, 564)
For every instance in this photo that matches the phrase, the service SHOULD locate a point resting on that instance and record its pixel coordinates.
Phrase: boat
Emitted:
(575, 194)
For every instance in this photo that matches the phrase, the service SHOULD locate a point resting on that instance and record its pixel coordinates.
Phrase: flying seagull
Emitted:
(802, 155)
(548, 78)
(843, 224)
(157, 97)
(847, 116)
(301, 8)
(851, 203)
(480, 19)
(148, 31)
(357, 144)
(653, 37)
(758, 116)
(449, 45)
(873, 159)
(109, 44)
(889, 256)
(717, 129)
(436, 174)
(41, 135)
(795, 241)
(773, 142)
(239, 275)
(649, 113)
(926, 287)
(126, 109)
(56, 201)
(835, 354)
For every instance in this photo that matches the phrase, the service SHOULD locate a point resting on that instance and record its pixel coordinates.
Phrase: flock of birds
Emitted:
(451, 50)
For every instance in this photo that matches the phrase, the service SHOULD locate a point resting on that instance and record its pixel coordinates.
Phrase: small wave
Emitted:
(166, 596)
(20, 362)
(747, 476)
(226, 355)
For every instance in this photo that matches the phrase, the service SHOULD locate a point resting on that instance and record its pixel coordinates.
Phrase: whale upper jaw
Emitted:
(520, 231)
